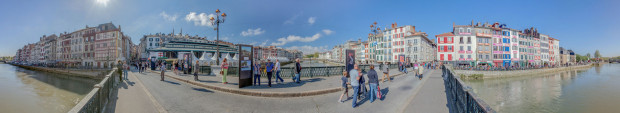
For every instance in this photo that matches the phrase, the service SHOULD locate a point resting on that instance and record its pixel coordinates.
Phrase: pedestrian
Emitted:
(415, 68)
(119, 66)
(174, 67)
(344, 86)
(421, 72)
(297, 71)
(373, 83)
(278, 72)
(125, 70)
(354, 80)
(256, 72)
(405, 68)
(386, 72)
(270, 70)
(163, 70)
(196, 66)
(224, 71)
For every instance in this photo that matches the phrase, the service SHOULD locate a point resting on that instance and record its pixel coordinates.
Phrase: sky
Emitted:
(311, 25)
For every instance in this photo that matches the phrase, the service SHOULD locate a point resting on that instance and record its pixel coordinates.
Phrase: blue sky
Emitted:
(311, 25)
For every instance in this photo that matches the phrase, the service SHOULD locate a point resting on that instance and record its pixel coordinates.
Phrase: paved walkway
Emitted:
(133, 97)
(431, 97)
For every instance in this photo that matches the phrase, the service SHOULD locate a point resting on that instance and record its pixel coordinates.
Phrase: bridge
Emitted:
(320, 86)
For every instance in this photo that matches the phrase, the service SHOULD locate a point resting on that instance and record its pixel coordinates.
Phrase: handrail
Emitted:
(461, 96)
(96, 100)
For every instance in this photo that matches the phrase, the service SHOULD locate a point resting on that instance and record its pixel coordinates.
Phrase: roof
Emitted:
(445, 34)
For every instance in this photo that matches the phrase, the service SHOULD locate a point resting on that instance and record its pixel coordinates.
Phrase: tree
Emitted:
(597, 54)
(588, 55)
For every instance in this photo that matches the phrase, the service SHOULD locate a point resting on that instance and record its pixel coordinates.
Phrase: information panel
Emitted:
(245, 65)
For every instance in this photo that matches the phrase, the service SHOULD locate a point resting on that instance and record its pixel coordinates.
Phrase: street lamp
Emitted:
(375, 29)
(216, 21)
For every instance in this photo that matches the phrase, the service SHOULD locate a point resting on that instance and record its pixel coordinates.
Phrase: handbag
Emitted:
(221, 72)
(378, 92)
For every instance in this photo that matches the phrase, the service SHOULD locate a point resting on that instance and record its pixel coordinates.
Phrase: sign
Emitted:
(469, 52)
(350, 60)
(245, 65)
(497, 52)
(465, 33)
(483, 35)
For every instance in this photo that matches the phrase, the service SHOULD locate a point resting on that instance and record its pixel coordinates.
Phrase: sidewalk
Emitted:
(307, 86)
(431, 98)
(133, 97)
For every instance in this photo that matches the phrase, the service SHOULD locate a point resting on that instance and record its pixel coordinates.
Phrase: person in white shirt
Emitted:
(278, 72)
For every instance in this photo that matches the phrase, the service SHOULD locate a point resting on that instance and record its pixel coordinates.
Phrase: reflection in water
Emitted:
(37, 92)
(312, 63)
(588, 90)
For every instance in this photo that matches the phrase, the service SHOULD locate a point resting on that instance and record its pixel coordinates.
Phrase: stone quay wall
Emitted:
(515, 73)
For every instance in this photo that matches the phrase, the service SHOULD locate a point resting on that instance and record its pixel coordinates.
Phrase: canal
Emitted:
(593, 90)
(27, 91)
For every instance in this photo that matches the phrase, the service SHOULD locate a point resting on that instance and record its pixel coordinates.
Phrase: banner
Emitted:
(350, 60)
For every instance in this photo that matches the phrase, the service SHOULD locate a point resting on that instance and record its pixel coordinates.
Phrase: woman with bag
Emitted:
(224, 71)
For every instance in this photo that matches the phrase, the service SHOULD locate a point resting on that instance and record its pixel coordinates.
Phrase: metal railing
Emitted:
(309, 72)
(461, 96)
(96, 100)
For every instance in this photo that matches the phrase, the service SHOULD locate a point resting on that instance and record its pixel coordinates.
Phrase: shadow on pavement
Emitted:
(285, 85)
(172, 82)
(202, 90)
(384, 93)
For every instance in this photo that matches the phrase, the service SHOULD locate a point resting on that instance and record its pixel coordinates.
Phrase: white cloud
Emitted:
(252, 32)
(294, 38)
(309, 49)
(311, 20)
(168, 17)
(327, 31)
(292, 19)
(201, 19)
(264, 43)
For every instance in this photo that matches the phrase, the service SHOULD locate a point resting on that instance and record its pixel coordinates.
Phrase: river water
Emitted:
(593, 90)
(27, 91)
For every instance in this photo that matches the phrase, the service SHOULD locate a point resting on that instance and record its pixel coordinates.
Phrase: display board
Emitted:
(245, 65)
(350, 60)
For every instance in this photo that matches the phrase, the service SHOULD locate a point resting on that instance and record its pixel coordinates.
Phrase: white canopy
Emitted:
(235, 57)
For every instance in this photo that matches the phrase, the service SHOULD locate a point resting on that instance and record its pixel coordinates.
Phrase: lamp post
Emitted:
(216, 21)
(374, 29)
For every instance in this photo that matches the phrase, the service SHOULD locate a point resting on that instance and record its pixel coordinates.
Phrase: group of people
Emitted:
(356, 79)
(268, 68)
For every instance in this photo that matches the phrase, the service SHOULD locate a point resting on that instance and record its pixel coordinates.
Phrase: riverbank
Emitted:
(86, 73)
(472, 74)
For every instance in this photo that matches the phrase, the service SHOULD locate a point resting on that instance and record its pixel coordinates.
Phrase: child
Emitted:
(344, 85)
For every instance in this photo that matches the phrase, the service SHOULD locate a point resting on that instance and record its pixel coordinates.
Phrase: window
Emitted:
(150, 44)
(469, 40)
(450, 48)
(468, 56)
(468, 48)
(461, 40)
(151, 39)
(461, 56)
(468, 30)
(461, 48)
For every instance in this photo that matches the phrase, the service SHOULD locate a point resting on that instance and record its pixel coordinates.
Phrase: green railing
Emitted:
(462, 98)
(96, 100)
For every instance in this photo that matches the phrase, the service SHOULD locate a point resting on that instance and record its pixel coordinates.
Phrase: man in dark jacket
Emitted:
(297, 71)
(373, 83)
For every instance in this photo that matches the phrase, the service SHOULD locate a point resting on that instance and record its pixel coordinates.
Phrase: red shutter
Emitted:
(440, 56)
(449, 56)
(445, 39)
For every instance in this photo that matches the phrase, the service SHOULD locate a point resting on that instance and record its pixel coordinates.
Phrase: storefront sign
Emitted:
(483, 35)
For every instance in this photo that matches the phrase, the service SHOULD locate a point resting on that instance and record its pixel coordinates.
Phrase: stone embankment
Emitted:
(86, 73)
(514, 73)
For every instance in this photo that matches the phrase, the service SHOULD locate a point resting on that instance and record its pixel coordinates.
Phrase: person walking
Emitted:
(125, 70)
(256, 72)
(415, 68)
(386, 73)
(224, 71)
(269, 72)
(354, 80)
(174, 67)
(163, 70)
(297, 71)
(421, 71)
(196, 66)
(121, 69)
(373, 83)
(278, 72)
(344, 86)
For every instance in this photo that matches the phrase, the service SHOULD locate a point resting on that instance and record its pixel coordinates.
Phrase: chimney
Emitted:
(472, 22)
(413, 29)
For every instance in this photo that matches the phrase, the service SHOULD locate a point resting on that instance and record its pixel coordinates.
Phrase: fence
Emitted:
(286, 72)
(96, 99)
(463, 100)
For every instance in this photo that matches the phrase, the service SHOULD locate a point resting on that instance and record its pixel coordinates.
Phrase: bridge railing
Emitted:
(99, 96)
(462, 98)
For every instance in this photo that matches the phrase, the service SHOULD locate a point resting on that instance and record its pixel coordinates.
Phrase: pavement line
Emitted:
(417, 90)
(148, 93)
